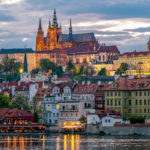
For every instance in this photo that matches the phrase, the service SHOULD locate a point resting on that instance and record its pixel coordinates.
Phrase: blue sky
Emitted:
(124, 23)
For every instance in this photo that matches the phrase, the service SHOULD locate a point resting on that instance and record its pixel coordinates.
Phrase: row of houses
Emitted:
(69, 101)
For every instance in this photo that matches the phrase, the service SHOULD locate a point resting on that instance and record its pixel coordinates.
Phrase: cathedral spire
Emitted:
(70, 31)
(25, 65)
(55, 24)
(40, 24)
(49, 24)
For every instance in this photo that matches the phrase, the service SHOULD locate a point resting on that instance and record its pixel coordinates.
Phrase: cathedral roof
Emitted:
(83, 37)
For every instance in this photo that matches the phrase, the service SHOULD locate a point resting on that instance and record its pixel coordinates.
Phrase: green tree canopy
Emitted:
(102, 72)
(10, 65)
(20, 102)
(81, 70)
(70, 66)
(118, 72)
(46, 64)
(36, 70)
(59, 71)
(136, 119)
(4, 101)
(122, 69)
(82, 119)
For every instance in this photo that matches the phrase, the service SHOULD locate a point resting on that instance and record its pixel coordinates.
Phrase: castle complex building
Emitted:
(55, 38)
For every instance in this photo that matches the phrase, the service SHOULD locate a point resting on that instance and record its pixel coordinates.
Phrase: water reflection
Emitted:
(73, 142)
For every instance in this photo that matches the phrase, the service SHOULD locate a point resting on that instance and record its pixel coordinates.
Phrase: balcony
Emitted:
(69, 109)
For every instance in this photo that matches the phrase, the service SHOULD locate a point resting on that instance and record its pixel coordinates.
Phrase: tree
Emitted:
(46, 64)
(20, 102)
(10, 65)
(82, 119)
(123, 67)
(59, 71)
(81, 70)
(36, 70)
(70, 66)
(118, 72)
(136, 119)
(4, 101)
(102, 72)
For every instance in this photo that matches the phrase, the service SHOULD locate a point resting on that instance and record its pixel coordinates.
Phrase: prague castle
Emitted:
(55, 38)
(81, 49)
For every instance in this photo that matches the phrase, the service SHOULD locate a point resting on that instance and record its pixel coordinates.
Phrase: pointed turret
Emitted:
(25, 65)
(40, 24)
(55, 24)
(70, 31)
(49, 26)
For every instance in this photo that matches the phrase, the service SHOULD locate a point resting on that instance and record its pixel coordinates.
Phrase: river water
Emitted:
(73, 142)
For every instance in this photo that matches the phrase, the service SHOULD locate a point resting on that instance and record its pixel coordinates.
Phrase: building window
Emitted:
(140, 93)
(144, 93)
(107, 93)
(119, 102)
(136, 111)
(145, 102)
(136, 93)
(115, 93)
(145, 110)
(111, 93)
(129, 111)
(115, 102)
(140, 102)
(119, 93)
(129, 93)
(48, 107)
(130, 102)
(111, 102)
(107, 102)
(136, 102)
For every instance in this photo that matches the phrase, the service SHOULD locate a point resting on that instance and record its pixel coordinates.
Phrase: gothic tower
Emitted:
(148, 46)
(40, 38)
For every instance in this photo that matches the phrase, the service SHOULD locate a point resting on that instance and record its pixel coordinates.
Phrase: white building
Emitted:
(110, 120)
(51, 109)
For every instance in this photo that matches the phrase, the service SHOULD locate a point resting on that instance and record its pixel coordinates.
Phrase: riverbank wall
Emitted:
(118, 130)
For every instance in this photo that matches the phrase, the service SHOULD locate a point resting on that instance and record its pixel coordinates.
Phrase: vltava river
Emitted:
(73, 142)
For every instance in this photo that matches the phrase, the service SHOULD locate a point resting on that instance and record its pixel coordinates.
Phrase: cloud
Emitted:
(9, 2)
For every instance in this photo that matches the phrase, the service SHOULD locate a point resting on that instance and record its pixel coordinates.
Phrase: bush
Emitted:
(136, 119)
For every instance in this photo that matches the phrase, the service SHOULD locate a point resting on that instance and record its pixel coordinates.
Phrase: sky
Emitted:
(124, 23)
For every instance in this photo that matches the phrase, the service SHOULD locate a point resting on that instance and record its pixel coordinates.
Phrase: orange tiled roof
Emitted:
(85, 89)
(130, 84)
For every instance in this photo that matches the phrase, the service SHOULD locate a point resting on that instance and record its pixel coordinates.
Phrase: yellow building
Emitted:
(129, 97)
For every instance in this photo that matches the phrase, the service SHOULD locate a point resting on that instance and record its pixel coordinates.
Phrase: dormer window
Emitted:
(83, 89)
(141, 85)
(131, 85)
(91, 89)
(114, 85)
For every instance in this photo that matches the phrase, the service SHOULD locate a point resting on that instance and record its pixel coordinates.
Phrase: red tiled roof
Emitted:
(111, 49)
(85, 89)
(102, 113)
(6, 113)
(130, 84)
(43, 91)
(135, 53)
